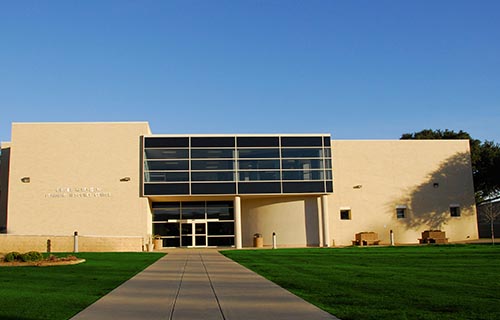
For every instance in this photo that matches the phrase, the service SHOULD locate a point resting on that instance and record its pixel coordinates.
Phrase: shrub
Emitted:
(12, 256)
(31, 256)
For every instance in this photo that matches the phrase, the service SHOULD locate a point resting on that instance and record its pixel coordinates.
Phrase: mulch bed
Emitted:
(52, 261)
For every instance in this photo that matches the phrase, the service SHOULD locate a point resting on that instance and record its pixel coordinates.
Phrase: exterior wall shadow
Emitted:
(429, 202)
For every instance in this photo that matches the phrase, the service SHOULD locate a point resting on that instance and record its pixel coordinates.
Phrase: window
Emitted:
(401, 212)
(455, 210)
(246, 164)
(345, 214)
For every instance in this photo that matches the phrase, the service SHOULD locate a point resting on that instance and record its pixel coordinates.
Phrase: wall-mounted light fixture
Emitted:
(125, 179)
(435, 184)
(358, 186)
(25, 179)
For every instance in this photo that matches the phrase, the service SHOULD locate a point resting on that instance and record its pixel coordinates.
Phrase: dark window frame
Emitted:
(455, 211)
(401, 213)
(345, 214)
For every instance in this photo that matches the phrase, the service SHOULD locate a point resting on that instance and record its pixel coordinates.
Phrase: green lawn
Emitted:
(420, 282)
(60, 292)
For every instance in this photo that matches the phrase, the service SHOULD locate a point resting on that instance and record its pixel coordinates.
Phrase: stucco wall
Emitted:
(74, 172)
(402, 172)
(22, 244)
(293, 219)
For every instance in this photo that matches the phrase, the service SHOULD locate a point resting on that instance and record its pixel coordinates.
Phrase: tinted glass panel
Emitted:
(193, 213)
(258, 153)
(259, 187)
(166, 176)
(303, 175)
(329, 186)
(168, 165)
(302, 164)
(166, 205)
(327, 141)
(221, 241)
(258, 142)
(259, 175)
(329, 175)
(212, 153)
(301, 153)
(221, 228)
(259, 164)
(328, 163)
(151, 189)
(166, 142)
(187, 241)
(193, 204)
(166, 229)
(301, 141)
(212, 142)
(200, 228)
(212, 165)
(303, 187)
(201, 240)
(328, 152)
(171, 242)
(219, 204)
(212, 176)
(213, 188)
(163, 214)
(220, 213)
(166, 153)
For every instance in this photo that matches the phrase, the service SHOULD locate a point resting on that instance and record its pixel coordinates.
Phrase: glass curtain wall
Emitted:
(232, 165)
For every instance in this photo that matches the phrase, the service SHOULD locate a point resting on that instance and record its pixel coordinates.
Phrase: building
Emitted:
(488, 219)
(117, 185)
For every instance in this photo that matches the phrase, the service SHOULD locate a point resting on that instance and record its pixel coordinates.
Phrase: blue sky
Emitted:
(355, 69)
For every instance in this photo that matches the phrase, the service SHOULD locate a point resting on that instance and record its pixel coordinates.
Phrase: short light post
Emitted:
(75, 242)
(274, 240)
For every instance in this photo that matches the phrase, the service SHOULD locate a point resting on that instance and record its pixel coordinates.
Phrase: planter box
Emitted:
(158, 244)
(369, 236)
(366, 239)
(433, 236)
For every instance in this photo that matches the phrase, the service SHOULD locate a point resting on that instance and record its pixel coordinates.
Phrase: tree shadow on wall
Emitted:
(429, 202)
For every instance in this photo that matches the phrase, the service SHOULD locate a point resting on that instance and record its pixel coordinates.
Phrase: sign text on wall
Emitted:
(78, 192)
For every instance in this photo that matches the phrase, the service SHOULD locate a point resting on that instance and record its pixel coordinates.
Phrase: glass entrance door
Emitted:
(194, 223)
(193, 233)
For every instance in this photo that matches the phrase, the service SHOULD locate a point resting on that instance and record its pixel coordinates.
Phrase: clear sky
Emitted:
(355, 69)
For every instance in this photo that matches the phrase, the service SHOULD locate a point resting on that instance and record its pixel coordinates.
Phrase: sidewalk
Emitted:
(200, 284)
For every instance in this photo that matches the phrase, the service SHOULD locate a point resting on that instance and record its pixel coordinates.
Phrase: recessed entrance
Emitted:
(194, 224)
(193, 233)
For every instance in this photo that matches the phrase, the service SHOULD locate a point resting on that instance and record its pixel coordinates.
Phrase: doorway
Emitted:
(193, 233)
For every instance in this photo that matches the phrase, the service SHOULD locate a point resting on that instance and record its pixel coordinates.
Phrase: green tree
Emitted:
(485, 158)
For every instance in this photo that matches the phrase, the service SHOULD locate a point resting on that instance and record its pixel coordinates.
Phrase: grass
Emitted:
(62, 291)
(420, 282)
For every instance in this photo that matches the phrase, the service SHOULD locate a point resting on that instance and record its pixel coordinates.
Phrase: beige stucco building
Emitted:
(117, 184)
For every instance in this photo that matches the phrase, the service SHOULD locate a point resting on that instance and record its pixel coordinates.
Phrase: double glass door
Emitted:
(193, 233)
(194, 223)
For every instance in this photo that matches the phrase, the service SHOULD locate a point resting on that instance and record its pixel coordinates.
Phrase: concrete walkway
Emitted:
(200, 284)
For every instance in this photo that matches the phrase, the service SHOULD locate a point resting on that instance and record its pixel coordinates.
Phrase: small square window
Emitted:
(455, 211)
(345, 214)
(400, 213)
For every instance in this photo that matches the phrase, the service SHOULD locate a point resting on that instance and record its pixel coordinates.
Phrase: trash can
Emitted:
(258, 240)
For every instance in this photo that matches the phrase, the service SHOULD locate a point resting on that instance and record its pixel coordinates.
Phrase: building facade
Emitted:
(117, 185)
